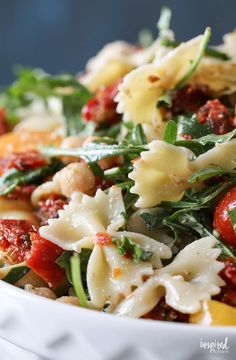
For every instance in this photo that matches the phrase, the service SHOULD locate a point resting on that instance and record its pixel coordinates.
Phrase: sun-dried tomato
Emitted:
(102, 183)
(102, 107)
(228, 274)
(21, 161)
(3, 122)
(41, 259)
(217, 115)
(189, 98)
(164, 312)
(15, 238)
(49, 207)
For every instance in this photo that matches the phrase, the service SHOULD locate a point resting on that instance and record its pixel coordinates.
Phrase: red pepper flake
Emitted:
(153, 78)
(217, 115)
(102, 238)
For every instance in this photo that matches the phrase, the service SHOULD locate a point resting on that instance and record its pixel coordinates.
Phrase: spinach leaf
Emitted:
(64, 262)
(13, 177)
(135, 135)
(170, 132)
(165, 100)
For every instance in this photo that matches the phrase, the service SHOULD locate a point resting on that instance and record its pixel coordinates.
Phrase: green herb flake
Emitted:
(170, 132)
(127, 247)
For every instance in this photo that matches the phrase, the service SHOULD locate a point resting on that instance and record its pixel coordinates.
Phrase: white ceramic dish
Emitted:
(57, 331)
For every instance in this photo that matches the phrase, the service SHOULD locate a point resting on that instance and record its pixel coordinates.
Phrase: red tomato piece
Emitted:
(15, 238)
(21, 161)
(222, 222)
(164, 312)
(49, 207)
(41, 259)
(217, 115)
(102, 238)
(102, 107)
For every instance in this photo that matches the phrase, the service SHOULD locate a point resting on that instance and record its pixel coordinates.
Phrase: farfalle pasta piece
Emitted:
(111, 277)
(83, 217)
(142, 87)
(160, 174)
(190, 279)
(223, 155)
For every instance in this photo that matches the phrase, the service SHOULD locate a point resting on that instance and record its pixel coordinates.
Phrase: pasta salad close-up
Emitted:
(118, 184)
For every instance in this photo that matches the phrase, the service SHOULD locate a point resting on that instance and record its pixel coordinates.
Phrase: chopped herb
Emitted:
(77, 280)
(64, 262)
(127, 247)
(135, 135)
(189, 124)
(13, 177)
(170, 133)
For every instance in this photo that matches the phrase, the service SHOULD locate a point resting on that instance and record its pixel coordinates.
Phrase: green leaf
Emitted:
(189, 124)
(145, 38)
(135, 135)
(84, 259)
(13, 177)
(93, 151)
(165, 100)
(170, 132)
(77, 280)
(163, 24)
(205, 143)
(232, 216)
(208, 173)
(196, 61)
(64, 262)
(15, 273)
(128, 247)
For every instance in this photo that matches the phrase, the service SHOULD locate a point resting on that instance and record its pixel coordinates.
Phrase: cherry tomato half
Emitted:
(222, 222)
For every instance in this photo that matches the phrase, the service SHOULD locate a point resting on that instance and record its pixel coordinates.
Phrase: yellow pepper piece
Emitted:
(215, 313)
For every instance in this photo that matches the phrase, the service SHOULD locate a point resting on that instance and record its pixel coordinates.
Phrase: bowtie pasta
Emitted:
(118, 185)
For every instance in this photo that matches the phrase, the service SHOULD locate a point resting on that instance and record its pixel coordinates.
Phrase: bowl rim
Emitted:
(70, 310)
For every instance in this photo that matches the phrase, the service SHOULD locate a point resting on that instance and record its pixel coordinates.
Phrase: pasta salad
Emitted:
(118, 185)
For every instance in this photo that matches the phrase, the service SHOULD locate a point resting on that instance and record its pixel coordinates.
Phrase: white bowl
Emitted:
(58, 331)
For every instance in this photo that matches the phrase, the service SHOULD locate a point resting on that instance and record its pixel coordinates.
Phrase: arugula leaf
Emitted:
(15, 273)
(145, 38)
(126, 246)
(205, 143)
(163, 24)
(13, 177)
(232, 216)
(84, 259)
(77, 280)
(189, 124)
(196, 61)
(170, 132)
(208, 173)
(95, 151)
(165, 100)
(135, 135)
(211, 52)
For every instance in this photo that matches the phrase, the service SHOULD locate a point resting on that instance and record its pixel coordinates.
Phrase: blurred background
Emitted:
(60, 35)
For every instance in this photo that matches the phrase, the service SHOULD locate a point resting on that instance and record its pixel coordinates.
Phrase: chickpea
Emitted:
(72, 300)
(75, 177)
(71, 142)
(41, 291)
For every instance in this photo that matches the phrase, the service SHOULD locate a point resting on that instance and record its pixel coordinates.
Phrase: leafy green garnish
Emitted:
(170, 132)
(208, 173)
(165, 100)
(77, 280)
(163, 24)
(13, 177)
(93, 151)
(189, 124)
(232, 216)
(205, 143)
(64, 262)
(135, 135)
(15, 273)
(196, 61)
(145, 38)
(127, 247)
